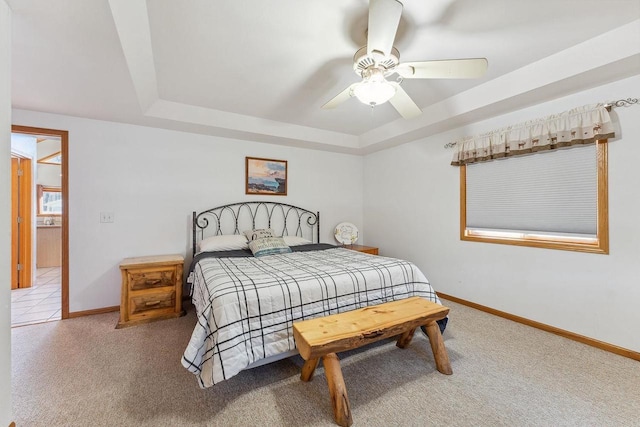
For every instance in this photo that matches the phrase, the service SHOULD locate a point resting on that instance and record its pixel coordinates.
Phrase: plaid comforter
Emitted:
(246, 306)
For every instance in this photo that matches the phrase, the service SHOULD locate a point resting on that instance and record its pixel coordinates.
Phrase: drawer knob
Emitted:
(150, 303)
(152, 282)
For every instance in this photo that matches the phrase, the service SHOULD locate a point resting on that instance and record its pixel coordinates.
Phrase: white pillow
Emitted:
(259, 233)
(224, 243)
(268, 246)
(296, 240)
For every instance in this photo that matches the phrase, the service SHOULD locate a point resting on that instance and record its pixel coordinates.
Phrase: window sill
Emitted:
(596, 246)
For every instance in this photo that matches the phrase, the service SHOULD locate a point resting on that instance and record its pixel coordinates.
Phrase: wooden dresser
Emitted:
(366, 249)
(151, 289)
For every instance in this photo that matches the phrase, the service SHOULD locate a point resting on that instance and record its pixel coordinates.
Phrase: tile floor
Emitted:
(39, 303)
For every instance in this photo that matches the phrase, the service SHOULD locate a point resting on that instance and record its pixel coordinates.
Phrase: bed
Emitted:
(249, 288)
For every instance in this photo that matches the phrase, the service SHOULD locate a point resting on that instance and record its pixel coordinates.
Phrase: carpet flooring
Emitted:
(84, 372)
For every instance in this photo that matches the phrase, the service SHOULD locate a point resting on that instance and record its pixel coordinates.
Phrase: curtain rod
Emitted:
(621, 103)
(609, 105)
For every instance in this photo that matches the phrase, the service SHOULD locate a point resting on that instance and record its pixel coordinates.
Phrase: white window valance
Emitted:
(582, 125)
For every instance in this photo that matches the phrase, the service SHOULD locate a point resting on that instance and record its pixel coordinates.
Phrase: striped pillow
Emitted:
(268, 246)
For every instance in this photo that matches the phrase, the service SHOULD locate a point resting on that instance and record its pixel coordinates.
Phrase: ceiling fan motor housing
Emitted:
(363, 61)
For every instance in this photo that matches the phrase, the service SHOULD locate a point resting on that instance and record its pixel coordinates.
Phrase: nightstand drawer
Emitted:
(149, 278)
(156, 302)
(151, 289)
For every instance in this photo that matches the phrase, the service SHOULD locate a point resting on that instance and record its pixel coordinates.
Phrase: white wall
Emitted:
(152, 179)
(5, 213)
(24, 145)
(48, 175)
(412, 211)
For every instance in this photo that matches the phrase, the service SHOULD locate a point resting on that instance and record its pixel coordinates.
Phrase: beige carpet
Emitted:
(83, 372)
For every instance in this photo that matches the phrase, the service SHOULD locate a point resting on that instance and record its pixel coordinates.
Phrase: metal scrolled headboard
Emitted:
(235, 218)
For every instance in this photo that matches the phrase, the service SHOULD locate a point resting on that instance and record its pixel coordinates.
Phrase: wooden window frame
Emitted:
(599, 244)
(42, 189)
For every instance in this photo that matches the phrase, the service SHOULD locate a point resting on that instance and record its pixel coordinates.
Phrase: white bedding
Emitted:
(246, 306)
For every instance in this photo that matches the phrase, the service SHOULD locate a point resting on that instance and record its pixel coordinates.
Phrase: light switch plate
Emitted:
(107, 216)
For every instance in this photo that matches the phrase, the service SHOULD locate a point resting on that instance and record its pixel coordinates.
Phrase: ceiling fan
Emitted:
(379, 59)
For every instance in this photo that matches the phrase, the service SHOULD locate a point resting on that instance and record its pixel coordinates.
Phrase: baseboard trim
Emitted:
(94, 311)
(557, 331)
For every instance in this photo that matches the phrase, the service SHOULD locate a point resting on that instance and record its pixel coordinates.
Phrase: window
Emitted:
(555, 200)
(49, 200)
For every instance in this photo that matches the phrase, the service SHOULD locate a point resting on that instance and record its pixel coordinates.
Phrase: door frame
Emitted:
(21, 207)
(64, 148)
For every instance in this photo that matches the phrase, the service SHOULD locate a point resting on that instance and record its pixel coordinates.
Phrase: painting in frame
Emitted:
(266, 176)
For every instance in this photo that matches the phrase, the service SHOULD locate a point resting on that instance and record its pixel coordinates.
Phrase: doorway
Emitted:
(47, 297)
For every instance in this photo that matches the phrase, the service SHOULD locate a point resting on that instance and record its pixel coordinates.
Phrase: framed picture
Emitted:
(266, 176)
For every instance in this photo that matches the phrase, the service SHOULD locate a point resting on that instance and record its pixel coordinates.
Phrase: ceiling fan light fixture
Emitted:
(373, 93)
(379, 59)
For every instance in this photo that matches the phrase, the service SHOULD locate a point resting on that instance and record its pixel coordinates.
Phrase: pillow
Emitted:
(224, 243)
(296, 240)
(259, 233)
(268, 246)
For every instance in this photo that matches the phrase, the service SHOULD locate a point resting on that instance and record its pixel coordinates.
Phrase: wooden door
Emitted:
(15, 165)
(20, 222)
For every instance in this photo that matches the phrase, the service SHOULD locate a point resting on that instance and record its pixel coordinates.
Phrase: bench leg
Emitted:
(438, 348)
(308, 369)
(405, 338)
(337, 390)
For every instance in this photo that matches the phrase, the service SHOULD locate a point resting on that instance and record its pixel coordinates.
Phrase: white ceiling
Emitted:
(260, 70)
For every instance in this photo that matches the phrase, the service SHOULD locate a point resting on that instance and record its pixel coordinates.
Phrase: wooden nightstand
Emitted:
(366, 249)
(151, 289)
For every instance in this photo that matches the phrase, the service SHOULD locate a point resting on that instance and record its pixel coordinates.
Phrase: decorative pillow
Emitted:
(259, 233)
(224, 243)
(268, 246)
(296, 240)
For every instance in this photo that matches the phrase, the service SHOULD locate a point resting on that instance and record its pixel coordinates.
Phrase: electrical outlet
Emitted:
(107, 216)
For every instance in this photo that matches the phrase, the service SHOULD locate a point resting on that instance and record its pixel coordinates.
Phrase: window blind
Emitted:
(554, 192)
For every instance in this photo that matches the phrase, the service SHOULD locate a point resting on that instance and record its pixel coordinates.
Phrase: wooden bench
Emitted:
(323, 337)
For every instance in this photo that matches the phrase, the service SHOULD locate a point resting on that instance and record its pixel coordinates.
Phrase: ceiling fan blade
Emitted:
(384, 18)
(445, 69)
(404, 104)
(340, 98)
